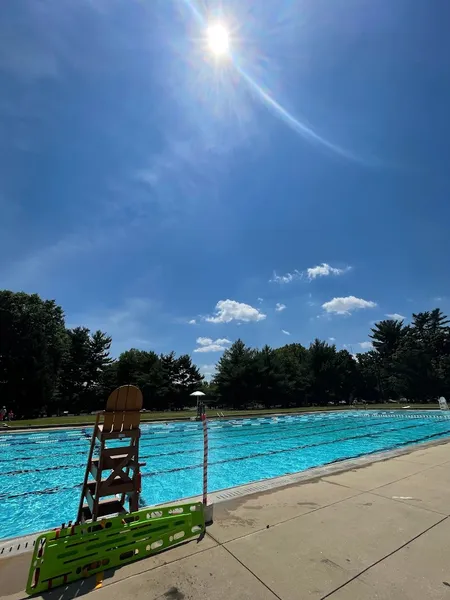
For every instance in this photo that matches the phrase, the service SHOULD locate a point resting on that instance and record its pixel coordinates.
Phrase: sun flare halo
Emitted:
(218, 39)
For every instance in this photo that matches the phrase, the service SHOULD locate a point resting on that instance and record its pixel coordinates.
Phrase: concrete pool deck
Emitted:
(379, 531)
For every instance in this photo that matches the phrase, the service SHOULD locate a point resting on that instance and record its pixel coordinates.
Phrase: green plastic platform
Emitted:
(65, 555)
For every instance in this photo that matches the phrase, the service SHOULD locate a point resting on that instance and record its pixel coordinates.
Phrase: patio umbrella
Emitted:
(198, 395)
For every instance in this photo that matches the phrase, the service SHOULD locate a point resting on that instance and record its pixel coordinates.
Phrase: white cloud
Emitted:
(395, 316)
(192, 322)
(332, 339)
(209, 345)
(260, 300)
(210, 348)
(204, 341)
(321, 270)
(324, 270)
(344, 306)
(285, 332)
(279, 307)
(230, 310)
(287, 278)
(366, 345)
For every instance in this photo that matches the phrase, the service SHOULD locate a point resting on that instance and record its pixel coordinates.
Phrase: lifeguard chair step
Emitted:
(112, 487)
(105, 508)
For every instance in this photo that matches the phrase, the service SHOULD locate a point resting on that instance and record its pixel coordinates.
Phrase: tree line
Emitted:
(47, 368)
(406, 361)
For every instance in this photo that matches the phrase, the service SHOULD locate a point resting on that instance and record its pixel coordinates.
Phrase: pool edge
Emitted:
(22, 544)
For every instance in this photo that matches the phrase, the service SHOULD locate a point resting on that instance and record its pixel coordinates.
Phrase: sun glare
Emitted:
(218, 39)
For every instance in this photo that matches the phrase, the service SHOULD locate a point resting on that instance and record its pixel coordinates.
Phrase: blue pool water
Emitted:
(42, 472)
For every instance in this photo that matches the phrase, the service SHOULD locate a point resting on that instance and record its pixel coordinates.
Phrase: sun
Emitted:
(218, 39)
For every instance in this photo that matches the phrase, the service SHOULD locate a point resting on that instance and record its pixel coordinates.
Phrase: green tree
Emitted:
(143, 369)
(388, 339)
(411, 372)
(74, 375)
(86, 357)
(369, 377)
(442, 370)
(348, 376)
(293, 358)
(387, 336)
(431, 330)
(188, 379)
(99, 355)
(418, 366)
(268, 377)
(33, 344)
(323, 371)
(234, 375)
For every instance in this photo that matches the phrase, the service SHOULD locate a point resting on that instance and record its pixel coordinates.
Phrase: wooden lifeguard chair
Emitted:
(115, 473)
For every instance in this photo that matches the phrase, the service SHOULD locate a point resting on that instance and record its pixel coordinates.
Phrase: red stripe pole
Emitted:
(205, 460)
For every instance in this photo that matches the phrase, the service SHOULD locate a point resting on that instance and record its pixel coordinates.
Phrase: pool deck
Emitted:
(377, 532)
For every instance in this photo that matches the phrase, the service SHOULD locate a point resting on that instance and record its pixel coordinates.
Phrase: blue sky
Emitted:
(146, 183)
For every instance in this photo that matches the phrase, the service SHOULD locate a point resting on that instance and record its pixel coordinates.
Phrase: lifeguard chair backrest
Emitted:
(123, 409)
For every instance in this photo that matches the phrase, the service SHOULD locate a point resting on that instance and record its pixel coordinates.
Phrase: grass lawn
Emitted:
(186, 414)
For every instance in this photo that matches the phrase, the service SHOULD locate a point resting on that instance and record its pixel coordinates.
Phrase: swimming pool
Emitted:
(42, 472)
